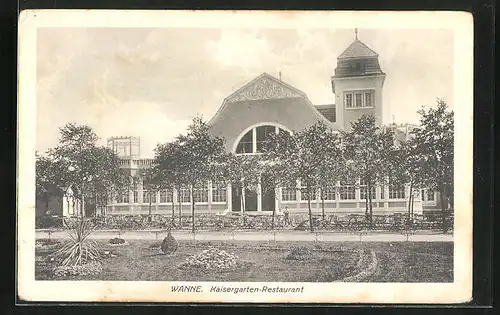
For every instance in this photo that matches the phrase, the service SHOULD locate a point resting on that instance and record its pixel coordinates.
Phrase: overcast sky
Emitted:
(151, 82)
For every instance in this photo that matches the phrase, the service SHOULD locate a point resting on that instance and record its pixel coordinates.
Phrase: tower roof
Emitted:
(357, 49)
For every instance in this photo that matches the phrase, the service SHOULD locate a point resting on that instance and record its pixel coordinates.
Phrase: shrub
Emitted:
(299, 253)
(88, 269)
(169, 244)
(116, 241)
(46, 243)
(79, 250)
(211, 259)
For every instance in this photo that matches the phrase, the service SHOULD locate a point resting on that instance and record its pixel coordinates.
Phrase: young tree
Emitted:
(197, 152)
(153, 182)
(243, 171)
(299, 153)
(108, 180)
(168, 159)
(407, 169)
(85, 165)
(49, 182)
(434, 141)
(333, 167)
(367, 150)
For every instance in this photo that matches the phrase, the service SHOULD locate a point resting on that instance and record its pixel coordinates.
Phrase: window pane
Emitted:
(245, 144)
(430, 195)
(369, 99)
(288, 194)
(359, 100)
(218, 193)
(348, 100)
(347, 192)
(263, 135)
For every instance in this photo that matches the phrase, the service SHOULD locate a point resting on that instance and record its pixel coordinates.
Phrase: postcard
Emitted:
(245, 156)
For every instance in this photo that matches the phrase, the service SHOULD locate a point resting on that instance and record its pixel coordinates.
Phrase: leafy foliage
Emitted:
(79, 250)
(367, 151)
(434, 142)
(78, 161)
(304, 156)
(193, 158)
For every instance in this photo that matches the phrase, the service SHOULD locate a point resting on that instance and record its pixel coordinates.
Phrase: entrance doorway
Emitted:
(268, 194)
(250, 198)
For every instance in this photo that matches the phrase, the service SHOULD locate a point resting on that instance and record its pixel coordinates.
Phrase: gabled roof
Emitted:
(263, 87)
(274, 88)
(357, 50)
(328, 111)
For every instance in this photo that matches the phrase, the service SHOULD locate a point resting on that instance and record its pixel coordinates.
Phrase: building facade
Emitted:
(267, 105)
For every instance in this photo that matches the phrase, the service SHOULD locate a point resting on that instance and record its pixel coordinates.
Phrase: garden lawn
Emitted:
(267, 262)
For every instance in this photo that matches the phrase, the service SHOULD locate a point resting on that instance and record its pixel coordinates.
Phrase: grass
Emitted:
(266, 261)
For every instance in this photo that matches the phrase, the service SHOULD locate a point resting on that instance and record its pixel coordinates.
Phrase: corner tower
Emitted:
(357, 84)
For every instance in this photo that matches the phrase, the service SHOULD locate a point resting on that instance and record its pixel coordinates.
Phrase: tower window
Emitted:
(369, 99)
(359, 99)
(348, 100)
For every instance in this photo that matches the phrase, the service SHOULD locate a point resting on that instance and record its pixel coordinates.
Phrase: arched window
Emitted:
(254, 139)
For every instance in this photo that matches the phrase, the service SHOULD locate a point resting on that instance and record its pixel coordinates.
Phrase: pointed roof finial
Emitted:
(356, 33)
(279, 73)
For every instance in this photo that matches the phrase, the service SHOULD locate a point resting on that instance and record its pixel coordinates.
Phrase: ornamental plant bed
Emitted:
(333, 261)
(117, 242)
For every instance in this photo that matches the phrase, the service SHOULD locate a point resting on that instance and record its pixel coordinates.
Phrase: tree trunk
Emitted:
(410, 201)
(149, 210)
(310, 211)
(179, 200)
(370, 204)
(47, 201)
(180, 213)
(443, 208)
(322, 204)
(272, 221)
(173, 211)
(192, 209)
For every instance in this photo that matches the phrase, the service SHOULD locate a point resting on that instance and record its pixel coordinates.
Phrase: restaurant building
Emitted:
(266, 105)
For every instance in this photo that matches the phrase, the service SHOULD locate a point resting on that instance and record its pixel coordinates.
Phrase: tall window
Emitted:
(348, 100)
(200, 194)
(246, 143)
(123, 197)
(304, 194)
(166, 196)
(262, 134)
(359, 99)
(369, 99)
(288, 194)
(397, 192)
(329, 193)
(382, 192)
(184, 195)
(430, 195)
(147, 195)
(136, 196)
(363, 189)
(347, 192)
(219, 193)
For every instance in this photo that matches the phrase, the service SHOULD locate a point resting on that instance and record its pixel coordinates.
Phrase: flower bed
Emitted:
(88, 269)
(46, 244)
(117, 242)
(212, 259)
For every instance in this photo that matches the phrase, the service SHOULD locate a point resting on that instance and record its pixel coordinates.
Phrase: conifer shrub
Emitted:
(169, 244)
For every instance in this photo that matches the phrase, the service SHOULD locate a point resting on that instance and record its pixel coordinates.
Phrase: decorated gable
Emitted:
(263, 87)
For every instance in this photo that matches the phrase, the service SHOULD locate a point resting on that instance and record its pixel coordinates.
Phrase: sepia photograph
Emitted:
(245, 157)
